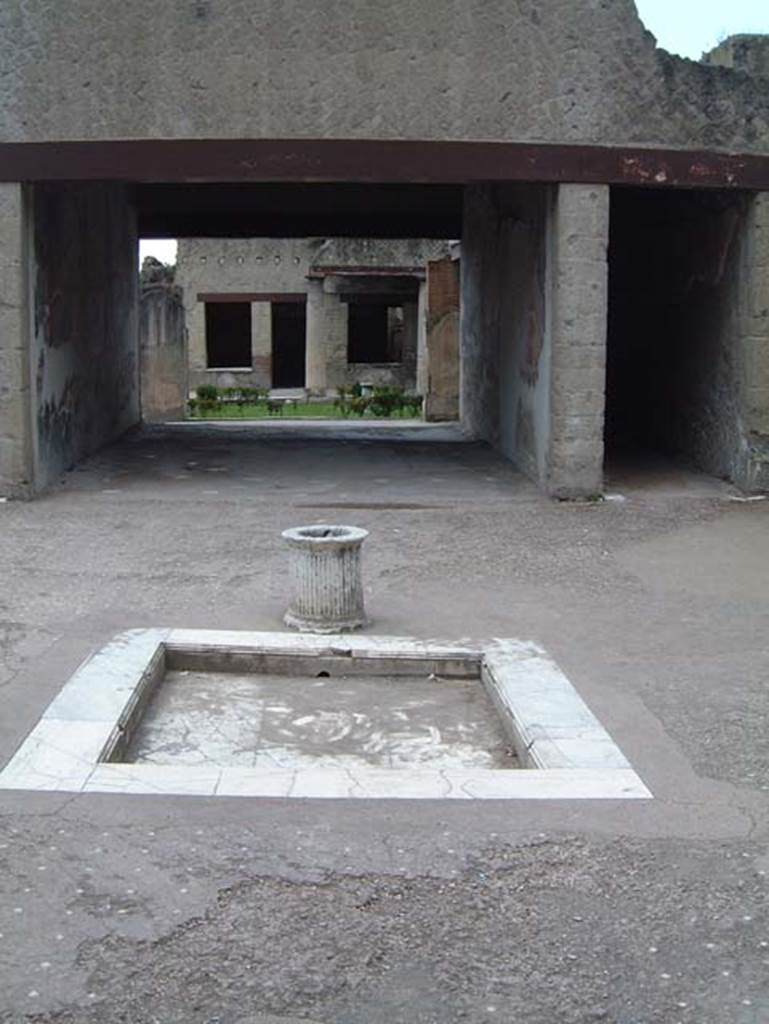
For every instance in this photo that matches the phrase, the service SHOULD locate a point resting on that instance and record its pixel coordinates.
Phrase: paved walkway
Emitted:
(211, 910)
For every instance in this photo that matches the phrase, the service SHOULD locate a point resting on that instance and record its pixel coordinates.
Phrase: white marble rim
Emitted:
(565, 751)
(320, 535)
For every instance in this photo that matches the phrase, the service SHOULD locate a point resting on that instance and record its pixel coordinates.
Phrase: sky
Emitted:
(691, 27)
(686, 27)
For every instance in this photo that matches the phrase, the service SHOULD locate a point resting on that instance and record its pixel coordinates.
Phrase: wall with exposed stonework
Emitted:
(84, 346)
(579, 297)
(576, 71)
(753, 328)
(746, 53)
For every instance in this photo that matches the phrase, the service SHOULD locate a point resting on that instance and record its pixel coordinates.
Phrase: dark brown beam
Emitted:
(252, 297)
(328, 160)
(311, 225)
(296, 209)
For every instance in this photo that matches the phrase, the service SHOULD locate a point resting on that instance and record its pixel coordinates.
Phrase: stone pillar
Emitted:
(261, 344)
(315, 373)
(196, 340)
(16, 441)
(754, 341)
(422, 358)
(410, 350)
(579, 298)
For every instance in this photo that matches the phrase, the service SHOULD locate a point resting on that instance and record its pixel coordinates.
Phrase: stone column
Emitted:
(410, 351)
(579, 300)
(261, 344)
(422, 357)
(16, 441)
(195, 313)
(315, 372)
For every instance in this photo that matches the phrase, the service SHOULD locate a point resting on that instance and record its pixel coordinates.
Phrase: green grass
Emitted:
(301, 410)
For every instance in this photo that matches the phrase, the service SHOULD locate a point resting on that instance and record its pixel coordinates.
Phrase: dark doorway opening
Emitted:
(366, 333)
(228, 335)
(674, 260)
(374, 332)
(289, 333)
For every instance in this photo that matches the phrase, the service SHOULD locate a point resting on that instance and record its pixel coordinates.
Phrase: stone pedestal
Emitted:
(326, 581)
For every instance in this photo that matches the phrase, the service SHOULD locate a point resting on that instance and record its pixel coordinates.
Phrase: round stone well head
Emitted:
(326, 578)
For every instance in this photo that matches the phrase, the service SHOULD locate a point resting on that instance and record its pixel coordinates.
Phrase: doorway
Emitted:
(289, 341)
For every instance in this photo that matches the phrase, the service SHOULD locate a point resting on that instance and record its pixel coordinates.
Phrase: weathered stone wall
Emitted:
(84, 346)
(16, 471)
(754, 341)
(754, 318)
(563, 71)
(746, 53)
(378, 252)
(163, 352)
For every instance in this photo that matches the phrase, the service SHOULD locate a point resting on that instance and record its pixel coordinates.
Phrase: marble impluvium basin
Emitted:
(89, 738)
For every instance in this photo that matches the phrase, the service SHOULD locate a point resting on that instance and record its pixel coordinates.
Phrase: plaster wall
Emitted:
(525, 336)
(504, 338)
(480, 309)
(163, 352)
(84, 345)
(440, 384)
(577, 71)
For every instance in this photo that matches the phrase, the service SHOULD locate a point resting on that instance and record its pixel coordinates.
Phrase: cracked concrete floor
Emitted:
(216, 910)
